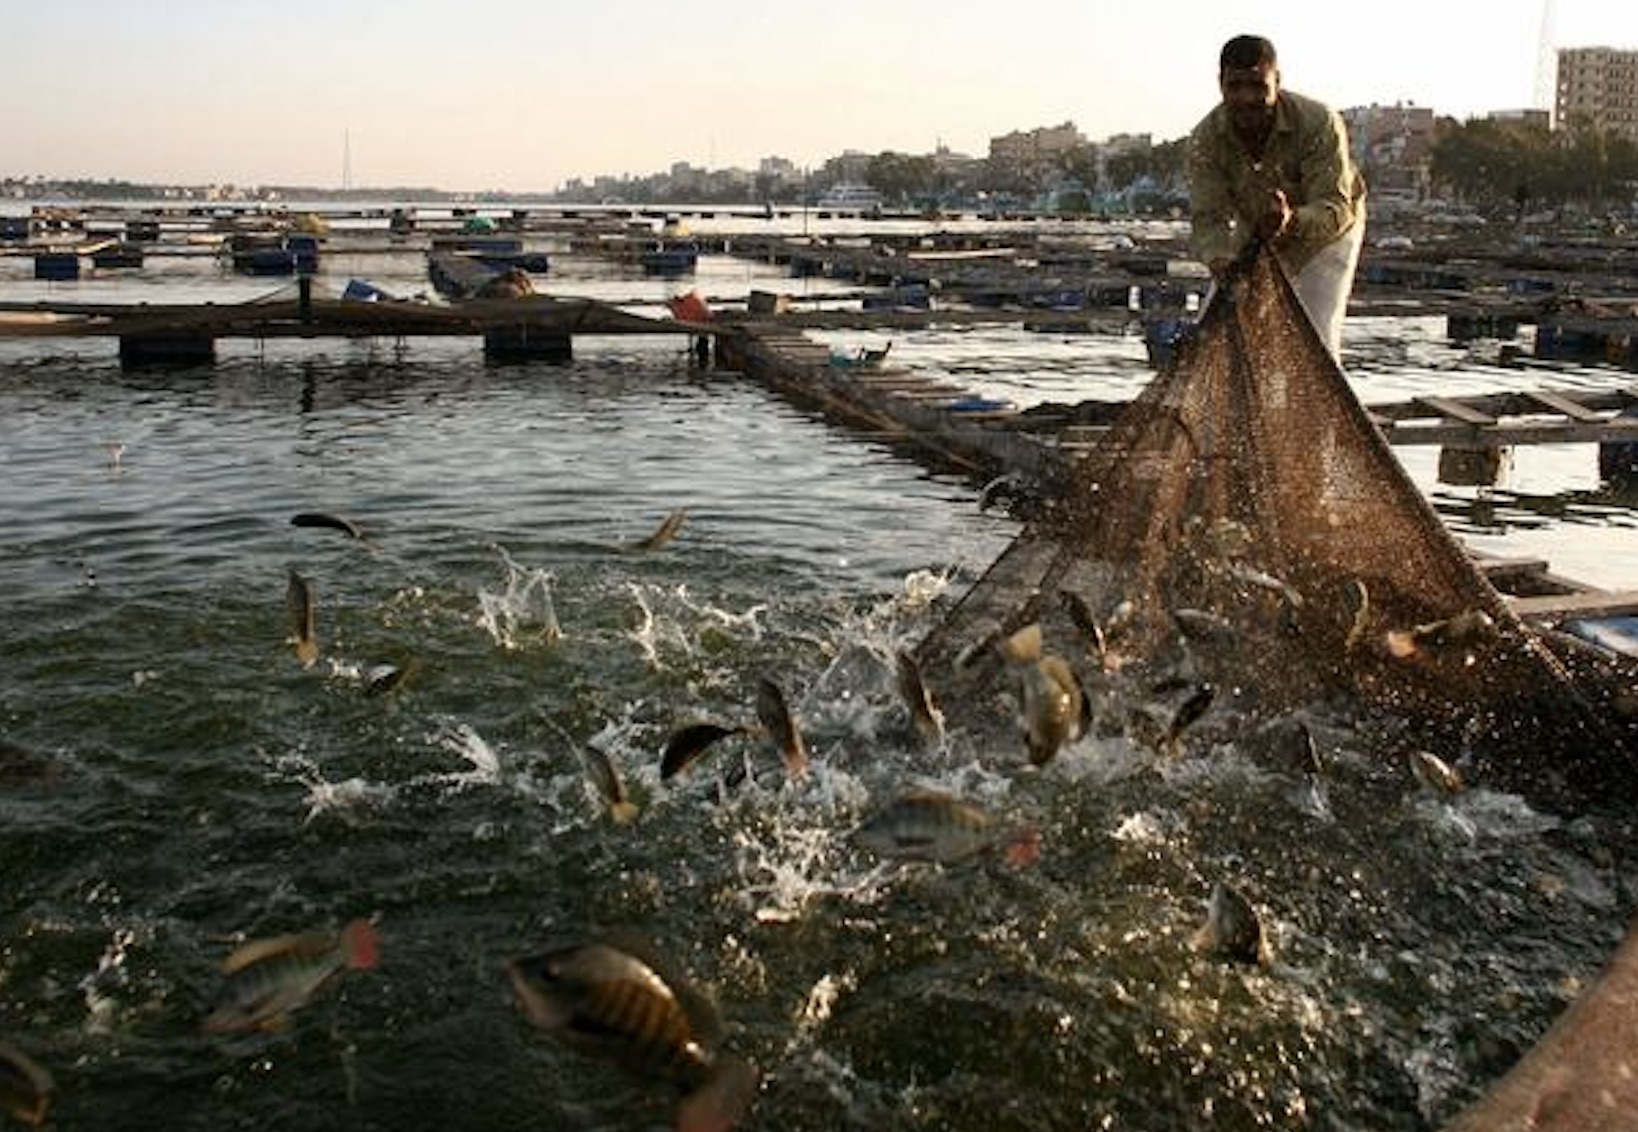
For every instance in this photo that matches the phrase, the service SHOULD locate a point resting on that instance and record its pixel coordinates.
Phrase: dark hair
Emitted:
(1246, 51)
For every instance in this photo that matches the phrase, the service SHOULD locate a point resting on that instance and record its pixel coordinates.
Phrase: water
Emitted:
(184, 784)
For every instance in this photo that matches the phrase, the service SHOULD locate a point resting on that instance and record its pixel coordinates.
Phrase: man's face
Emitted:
(1250, 94)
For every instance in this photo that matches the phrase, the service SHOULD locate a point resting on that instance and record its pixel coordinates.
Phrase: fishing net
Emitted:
(1245, 524)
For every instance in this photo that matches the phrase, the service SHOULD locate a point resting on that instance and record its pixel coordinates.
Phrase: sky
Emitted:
(520, 96)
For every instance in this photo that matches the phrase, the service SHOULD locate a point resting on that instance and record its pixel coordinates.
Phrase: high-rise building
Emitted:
(1598, 85)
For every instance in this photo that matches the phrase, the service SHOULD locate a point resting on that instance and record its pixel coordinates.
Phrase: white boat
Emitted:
(851, 195)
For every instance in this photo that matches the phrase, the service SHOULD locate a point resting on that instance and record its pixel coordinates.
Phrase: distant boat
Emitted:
(670, 257)
(852, 196)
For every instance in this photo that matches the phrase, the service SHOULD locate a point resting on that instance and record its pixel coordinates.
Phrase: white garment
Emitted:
(1324, 283)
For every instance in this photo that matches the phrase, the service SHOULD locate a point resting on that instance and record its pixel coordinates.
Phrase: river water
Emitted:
(174, 782)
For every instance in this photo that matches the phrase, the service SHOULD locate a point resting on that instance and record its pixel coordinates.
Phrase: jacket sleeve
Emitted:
(1330, 187)
(1214, 231)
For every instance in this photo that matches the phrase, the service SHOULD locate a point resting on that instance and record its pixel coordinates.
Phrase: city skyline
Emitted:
(514, 97)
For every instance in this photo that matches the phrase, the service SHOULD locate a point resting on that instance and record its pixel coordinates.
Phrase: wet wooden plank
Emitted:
(1586, 603)
(1560, 403)
(1456, 410)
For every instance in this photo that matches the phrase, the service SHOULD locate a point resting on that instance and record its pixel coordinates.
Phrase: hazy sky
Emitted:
(505, 94)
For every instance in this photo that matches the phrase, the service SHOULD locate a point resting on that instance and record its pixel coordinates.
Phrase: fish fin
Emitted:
(361, 945)
(719, 1101)
(259, 949)
(623, 813)
(1400, 644)
(1023, 847)
(1024, 646)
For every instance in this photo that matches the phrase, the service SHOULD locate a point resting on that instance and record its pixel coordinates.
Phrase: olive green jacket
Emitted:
(1306, 156)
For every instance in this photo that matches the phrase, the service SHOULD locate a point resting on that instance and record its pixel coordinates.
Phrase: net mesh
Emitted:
(1245, 522)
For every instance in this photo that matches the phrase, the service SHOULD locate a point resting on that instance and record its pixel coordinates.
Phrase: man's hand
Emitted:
(1277, 220)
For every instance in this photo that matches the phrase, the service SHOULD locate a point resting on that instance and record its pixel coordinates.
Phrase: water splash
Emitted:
(523, 611)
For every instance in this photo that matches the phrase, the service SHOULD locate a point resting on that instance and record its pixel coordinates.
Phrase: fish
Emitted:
(1263, 580)
(1434, 774)
(781, 726)
(665, 532)
(601, 773)
(298, 599)
(943, 829)
(925, 717)
(1081, 614)
(1463, 633)
(268, 979)
(688, 743)
(1357, 600)
(26, 1087)
(608, 1002)
(327, 521)
(1023, 646)
(1054, 707)
(379, 679)
(1232, 929)
(1201, 625)
(1193, 706)
(1298, 751)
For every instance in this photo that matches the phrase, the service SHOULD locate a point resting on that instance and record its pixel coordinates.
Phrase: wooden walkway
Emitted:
(1042, 448)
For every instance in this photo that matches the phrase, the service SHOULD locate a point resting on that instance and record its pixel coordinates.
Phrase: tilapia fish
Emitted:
(606, 780)
(925, 718)
(931, 826)
(1434, 774)
(776, 716)
(298, 600)
(1053, 707)
(25, 1087)
(1232, 929)
(268, 979)
(665, 532)
(685, 745)
(327, 521)
(605, 1001)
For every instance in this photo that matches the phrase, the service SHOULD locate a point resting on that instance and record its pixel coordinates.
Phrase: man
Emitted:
(1271, 165)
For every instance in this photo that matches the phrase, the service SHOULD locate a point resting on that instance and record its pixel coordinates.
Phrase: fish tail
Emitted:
(1400, 644)
(721, 1099)
(361, 945)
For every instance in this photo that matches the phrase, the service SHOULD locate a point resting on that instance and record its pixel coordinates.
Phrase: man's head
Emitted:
(1248, 74)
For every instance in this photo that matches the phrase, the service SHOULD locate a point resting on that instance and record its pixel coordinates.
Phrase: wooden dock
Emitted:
(1041, 449)
(534, 326)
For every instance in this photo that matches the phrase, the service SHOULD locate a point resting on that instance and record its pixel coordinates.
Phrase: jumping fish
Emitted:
(1357, 599)
(607, 1002)
(937, 827)
(1194, 705)
(25, 1087)
(298, 597)
(771, 709)
(665, 532)
(326, 521)
(268, 979)
(1203, 625)
(925, 717)
(1261, 579)
(1081, 614)
(1232, 929)
(688, 743)
(1054, 707)
(603, 776)
(1462, 633)
(379, 679)
(1434, 774)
